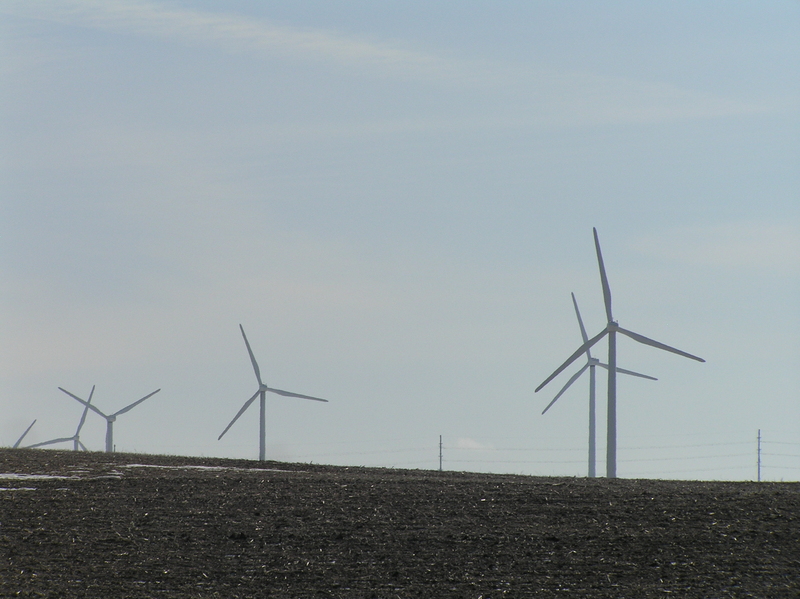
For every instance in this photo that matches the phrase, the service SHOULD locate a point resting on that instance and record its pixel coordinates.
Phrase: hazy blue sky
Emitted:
(395, 199)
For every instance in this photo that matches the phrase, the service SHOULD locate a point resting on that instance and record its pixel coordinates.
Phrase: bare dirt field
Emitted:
(80, 524)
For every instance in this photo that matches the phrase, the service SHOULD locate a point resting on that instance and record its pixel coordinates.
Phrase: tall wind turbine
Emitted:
(591, 363)
(612, 328)
(262, 392)
(27, 430)
(110, 418)
(76, 438)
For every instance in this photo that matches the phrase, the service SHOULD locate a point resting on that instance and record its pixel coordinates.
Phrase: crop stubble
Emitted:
(124, 525)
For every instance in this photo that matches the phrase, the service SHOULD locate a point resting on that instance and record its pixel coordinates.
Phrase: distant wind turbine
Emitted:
(591, 362)
(23, 435)
(110, 419)
(262, 391)
(612, 328)
(76, 438)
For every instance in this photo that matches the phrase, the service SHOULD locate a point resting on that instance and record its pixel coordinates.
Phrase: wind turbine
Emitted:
(612, 328)
(262, 391)
(76, 439)
(110, 419)
(591, 363)
(23, 435)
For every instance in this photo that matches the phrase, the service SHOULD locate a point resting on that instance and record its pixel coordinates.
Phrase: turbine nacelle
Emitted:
(610, 330)
(262, 391)
(591, 362)
(110, 419)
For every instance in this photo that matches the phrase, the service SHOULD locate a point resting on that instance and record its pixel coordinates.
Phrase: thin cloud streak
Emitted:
(546, 97)
(232, 32)
(467, 443)
(764, 246)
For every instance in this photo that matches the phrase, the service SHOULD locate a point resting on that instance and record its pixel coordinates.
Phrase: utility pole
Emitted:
(440, 453)
(759, 455)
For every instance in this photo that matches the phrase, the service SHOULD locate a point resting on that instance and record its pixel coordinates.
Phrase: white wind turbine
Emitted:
(76, 438)
(27, 430)
(591, 363)
(262, 391)
(612, 328)
(110, 418)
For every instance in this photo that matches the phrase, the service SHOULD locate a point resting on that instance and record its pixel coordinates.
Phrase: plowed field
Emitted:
(119, 525)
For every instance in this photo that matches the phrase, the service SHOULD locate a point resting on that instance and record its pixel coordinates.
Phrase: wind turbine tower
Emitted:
(611, 329)
(76, 438)
(261, 393)
(110, 418)
(591, 364)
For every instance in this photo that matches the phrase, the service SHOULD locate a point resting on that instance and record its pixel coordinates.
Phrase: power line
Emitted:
(783, 455)
(737, 433)
(532, 449)
(693, 457)
(370, 452)
(702, 469)
(515, 462)
(689, 446)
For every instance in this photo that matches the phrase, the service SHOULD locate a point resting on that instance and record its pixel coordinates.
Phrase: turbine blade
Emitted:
(573, 357)
(134, 404)
(659, 345)
(239, 413)
(630, 372)
(290, 394)
(640, 375)
(82, 445)
(51, 442)
(86, 403)
(252, 357)
(85, 411)
(572, 379)
(23, 435)
(580, 322)
(603, 277)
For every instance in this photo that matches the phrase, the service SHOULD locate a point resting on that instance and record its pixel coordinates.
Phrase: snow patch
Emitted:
(15, 476)
(210, 468)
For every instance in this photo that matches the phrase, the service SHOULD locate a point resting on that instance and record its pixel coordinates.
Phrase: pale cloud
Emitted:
(467, 443)
(231, 32)
(765, 246)
(22, 52)
(522, 95)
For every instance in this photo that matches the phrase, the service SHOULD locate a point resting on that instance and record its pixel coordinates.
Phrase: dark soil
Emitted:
(250, 529)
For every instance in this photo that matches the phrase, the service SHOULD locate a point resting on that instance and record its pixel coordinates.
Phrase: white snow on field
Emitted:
(116, 474)
(212, 468)
(15, 476)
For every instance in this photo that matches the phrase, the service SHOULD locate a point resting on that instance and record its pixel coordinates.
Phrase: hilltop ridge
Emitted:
(78, 524)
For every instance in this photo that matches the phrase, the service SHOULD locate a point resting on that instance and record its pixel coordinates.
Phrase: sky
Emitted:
(395, 200)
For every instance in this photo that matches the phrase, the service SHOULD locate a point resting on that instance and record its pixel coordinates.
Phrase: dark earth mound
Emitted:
(121, 525)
